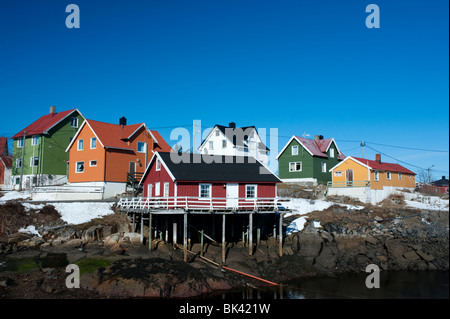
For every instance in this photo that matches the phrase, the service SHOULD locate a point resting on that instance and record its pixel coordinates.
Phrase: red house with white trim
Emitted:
(204, 181)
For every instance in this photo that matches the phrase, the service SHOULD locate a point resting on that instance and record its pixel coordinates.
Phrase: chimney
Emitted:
(52, 109)
(123, 121)
(318, 137)
(232, 125)
(378, 158)
(443, 177)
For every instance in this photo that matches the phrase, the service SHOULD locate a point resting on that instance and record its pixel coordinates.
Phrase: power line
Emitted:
(408, 148)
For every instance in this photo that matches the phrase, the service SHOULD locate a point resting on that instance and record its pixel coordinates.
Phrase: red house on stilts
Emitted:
(211, 182)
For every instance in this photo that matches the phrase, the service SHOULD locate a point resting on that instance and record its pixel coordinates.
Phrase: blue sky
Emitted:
(299, 66)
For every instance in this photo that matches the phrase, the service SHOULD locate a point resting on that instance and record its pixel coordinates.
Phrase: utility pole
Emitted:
(429, 173)
(362, 145)
(22, 160)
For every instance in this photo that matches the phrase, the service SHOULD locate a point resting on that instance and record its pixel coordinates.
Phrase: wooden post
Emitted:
(142, 229)
(134, 222)
(224, 244)
(150, 238)
(258, 231)
(174, 234)
(185, 237)
(201, 242)
(250, 234)
(166, 227)
(280, 235)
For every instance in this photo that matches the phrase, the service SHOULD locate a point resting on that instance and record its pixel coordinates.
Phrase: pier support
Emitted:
(150, 238)
(224, 244)
(250, 234)
(174, 234)
(185, 230)
(280, 236)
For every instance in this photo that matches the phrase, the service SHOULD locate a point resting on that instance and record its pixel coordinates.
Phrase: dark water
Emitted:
(393, 285)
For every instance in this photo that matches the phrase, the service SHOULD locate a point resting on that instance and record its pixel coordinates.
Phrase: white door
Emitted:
(232, 195)
(149, 190)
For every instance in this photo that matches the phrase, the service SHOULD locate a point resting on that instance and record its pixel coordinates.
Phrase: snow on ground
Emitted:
(14, 195)
(78, 213)
(440, 204)
(30, 230)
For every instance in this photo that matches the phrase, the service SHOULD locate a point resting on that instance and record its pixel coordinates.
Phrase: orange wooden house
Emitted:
(107, 155)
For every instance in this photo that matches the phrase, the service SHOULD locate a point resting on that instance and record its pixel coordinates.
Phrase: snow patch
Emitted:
(30, 230)
(79, 213)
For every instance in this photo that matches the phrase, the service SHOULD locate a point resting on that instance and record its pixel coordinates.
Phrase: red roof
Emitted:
(7, 160)
(162, 145)
(318, 147)
(43, 124)
(3, 146)
(384, 166)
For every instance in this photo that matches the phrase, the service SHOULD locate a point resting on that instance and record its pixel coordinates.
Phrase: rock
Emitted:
(327, 258)
(326, 235)
(74, 243)
(411, 255)
(425, 256)
(310, 245)
(371, 240)
(56, 242)
(111, 240)
(133, 238)
(91, 234)
(395, 248)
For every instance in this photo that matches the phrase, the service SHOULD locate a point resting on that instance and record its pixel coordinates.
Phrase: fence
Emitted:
(348, 184)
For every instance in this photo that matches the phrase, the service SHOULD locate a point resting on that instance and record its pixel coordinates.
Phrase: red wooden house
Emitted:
(208, 182)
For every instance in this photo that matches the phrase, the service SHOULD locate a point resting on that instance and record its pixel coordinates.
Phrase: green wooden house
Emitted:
(307, 161)
(39, 150)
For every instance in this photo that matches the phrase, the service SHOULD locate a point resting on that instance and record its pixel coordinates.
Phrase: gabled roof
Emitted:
(315, 147)
(202, 168)
(45, 123)
(236, 139)
(441, 182)
(117, 136)
(7, 160)
(3, 146)
(374, 165)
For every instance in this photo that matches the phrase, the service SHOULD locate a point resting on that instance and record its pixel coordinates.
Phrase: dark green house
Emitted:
(306, 161)
(41, 149)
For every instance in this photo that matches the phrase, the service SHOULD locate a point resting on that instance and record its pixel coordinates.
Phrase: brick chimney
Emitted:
(318, 137)
(123, 121)
(232, 125)
(378, 158)
(52, 109)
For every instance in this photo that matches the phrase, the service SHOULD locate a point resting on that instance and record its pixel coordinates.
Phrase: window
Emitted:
(35, 140)
(80, 145)
(17, 180)
(388, 175)
(205, 191)
(158, 164)
(92, 163)
(324, 167)
(409, 175)
(399, 176)
(294, 150)
(250, 191)
(217, 133)
(74, 122)
(332, 152)
(166, 189)
(18, 162)
(157, 189)
(93, 142)
(338, 173)
(224, 143)
(295, 166)
(79, 168)
(20, 143)
(34, 161)
(141, 147)
(211, 145)
(377, 176)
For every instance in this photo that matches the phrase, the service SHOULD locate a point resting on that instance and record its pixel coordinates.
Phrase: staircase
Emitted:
(133, 180)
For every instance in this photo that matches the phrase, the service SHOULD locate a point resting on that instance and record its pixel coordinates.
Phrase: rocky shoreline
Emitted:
(114, 264)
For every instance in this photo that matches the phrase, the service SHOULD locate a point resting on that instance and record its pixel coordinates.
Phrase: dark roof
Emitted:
(7, 160)
(3, 146)
(237, 138)
(441, 182)
(217, 168)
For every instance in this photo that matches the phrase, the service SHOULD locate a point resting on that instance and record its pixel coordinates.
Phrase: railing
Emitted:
(348, 184)
(196, 203)
(4, 187)
(68, 189)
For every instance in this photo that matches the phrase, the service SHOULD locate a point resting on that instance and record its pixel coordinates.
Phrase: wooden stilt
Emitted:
(150, 238)
(166, 227)
(185, 237)
(250, 234)
(201, 242)
(174, 234)
(224, 244)
(258, 231)
(134, 222)
(280, 235)
(142, 230)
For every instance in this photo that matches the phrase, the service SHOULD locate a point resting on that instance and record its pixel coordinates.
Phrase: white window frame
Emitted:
(93, 139)
(144, 147)
(166, 189)
(150, 190)
(256, 191)
(158, 165)
(388, 175)
(332, 152)
(211, 145)
(90, 163)
(157, 189)
(20, 142)
(76, 167)
(72, 121)
(399, 176)
(217, 132)
(376, 176)
(295, 166)
(32, 161)
(200, 190)
(224, 143)
(78, 145)
(294, 147)
(337, 173)
(35, 140)
(18, 162)
(323, 165)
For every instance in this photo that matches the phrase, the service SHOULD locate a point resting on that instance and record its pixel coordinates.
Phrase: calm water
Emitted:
(393, 285)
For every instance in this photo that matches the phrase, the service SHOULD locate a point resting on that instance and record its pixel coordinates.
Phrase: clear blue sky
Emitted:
(300, 66)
